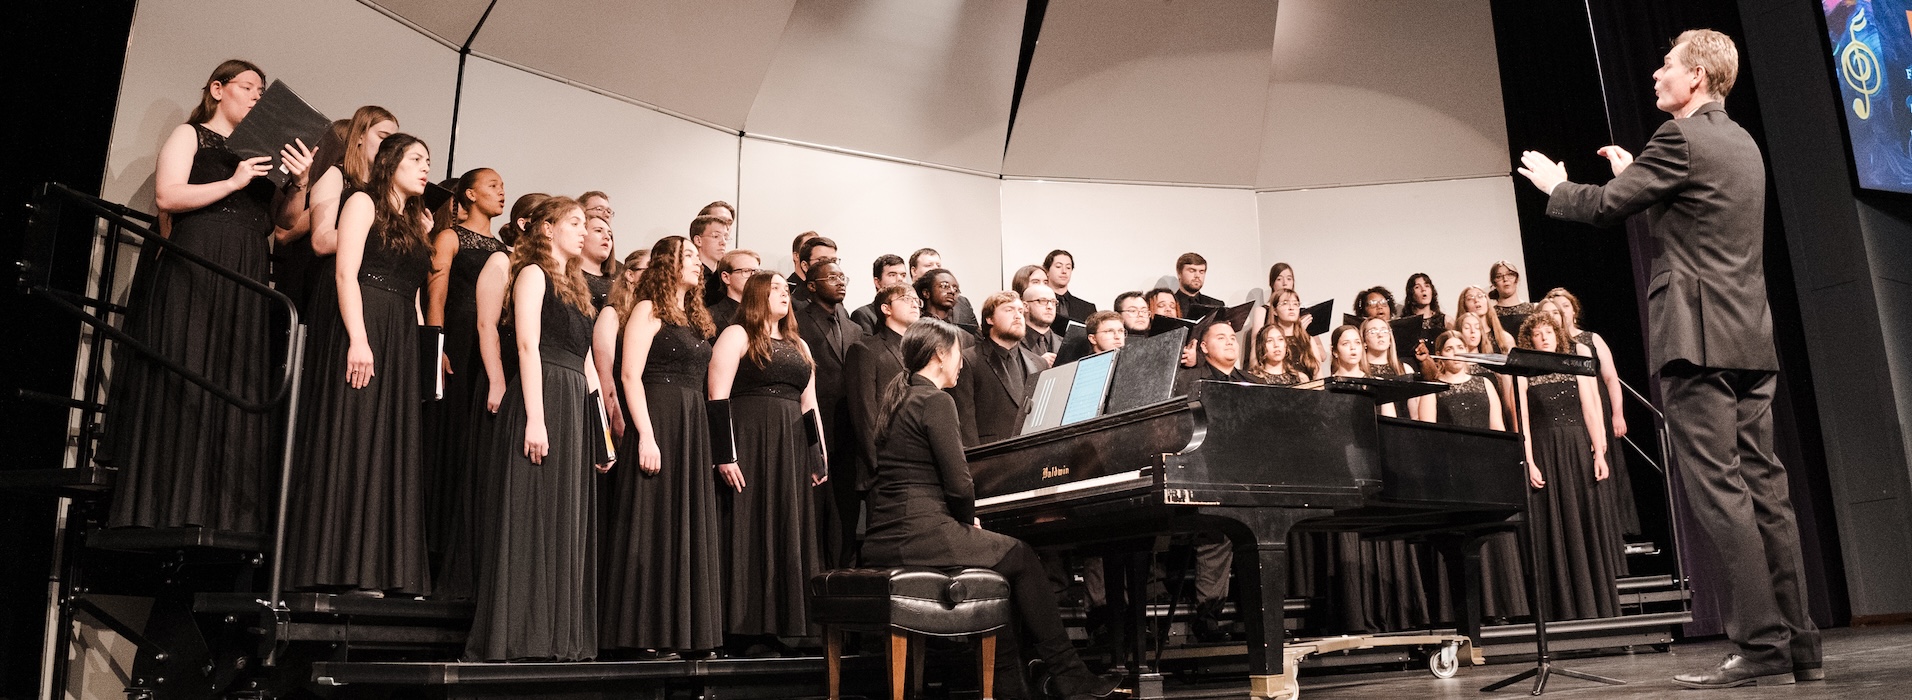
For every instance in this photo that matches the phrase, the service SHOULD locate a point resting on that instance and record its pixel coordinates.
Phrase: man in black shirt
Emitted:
(1059, 265)
(997, 372)
(732, 273)
(887, 270)
(815, 249)
(1191, 272)
(926, 259)
(1039, 309)
(826, 327)
(797, 279)
(711, 235)
(869, 367)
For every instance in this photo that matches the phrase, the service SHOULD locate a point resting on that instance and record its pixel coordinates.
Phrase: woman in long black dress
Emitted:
(537, 599)
(1566, 458)
(1473, 401)
(186, 457)
(922, 511)
(664, 569)
(355, 524)
(337, 175)
(459, 254)
(1618, 487)
(760, 372)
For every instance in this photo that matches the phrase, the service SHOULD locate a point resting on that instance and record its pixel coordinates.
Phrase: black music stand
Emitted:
(1533, 363)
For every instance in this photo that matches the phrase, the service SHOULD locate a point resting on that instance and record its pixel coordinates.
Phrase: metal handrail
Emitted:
(46, 227)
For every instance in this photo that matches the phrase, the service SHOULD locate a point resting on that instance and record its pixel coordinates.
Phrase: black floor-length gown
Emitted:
(1503, 583)
(474, 498)
(1617, 490)
(186, 457)
(1568, 518)
(772, 524)
(355, 515)
(448, 441)
(1394, 571)
(664, 571)
(537, 596)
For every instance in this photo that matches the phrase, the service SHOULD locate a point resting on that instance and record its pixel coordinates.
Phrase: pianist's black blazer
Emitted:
(923, 502)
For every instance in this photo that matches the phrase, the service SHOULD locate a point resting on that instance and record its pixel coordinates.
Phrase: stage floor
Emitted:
(1872, 662)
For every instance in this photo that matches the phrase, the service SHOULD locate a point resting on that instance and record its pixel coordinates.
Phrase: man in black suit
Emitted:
(1191, 272)
(887, 270)
(926, 259)
(829, 332)
(1702, 184)
(814, 248)
(736, 269)
(1059, 266)
(796, 279)
(711, 234)
(997, 372)
(868, 368)
(1039, 323)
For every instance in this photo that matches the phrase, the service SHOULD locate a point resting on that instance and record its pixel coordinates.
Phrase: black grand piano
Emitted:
(1253, 463)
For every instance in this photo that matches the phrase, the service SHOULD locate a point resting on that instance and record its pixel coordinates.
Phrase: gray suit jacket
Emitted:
(1702, 185)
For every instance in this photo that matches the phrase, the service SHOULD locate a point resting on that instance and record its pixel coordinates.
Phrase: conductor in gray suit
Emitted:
(1702, 185)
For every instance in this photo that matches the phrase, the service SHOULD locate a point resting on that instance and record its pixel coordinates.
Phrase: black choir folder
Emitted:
(1323, 315)
(276, 120)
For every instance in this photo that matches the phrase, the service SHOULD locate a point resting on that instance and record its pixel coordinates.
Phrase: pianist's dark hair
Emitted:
(925, 339)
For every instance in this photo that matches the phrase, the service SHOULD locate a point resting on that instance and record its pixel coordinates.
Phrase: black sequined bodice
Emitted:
(1553, 400)
(386, 267)
(784, 377)
(1464, 404)
(247, 208)
(679, 355)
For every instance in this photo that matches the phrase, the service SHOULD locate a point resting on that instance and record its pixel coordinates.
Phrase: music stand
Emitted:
(1533, 363)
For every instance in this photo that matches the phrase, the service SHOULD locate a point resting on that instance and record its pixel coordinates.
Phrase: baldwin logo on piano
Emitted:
(1054, 472)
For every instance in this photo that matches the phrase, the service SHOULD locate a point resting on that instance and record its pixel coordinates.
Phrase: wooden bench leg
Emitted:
(833, 645)
(899, 662)
(987, 663)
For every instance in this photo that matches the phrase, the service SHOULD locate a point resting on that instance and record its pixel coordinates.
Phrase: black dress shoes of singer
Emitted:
(1736, 672)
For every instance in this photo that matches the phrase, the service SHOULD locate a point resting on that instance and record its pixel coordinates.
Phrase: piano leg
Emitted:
(1261, 571)
(1460, 554)
(1144, 682)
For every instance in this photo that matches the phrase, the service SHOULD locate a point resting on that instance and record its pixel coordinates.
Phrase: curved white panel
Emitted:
(701, 58)
(869, 207)
(545, 136)
(450, 20)
(928, 80)
(1368, 91)
(1146, 90)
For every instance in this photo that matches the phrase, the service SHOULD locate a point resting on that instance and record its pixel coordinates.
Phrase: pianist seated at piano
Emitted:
(922, 512)
(1348, 358)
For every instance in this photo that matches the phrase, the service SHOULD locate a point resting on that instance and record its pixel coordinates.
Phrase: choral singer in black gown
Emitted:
(185, 456)
(1566, 458)
(356, 522)
(664, 569)
(537, 596)
(1473, 401)
(760, 374)
(458, 258)
(922, 508)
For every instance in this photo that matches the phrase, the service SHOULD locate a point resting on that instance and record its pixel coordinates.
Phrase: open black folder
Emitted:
(276, 120)
(1323, 316)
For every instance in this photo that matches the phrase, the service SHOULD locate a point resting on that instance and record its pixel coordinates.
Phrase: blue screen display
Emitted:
(1086, 392)
(1872, 56)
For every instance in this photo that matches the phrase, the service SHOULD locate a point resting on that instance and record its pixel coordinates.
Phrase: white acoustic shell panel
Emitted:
(543, 136)
(1146, 90)
(1372, 91)
(927, 80)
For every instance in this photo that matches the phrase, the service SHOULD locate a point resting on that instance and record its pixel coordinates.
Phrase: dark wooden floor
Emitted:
(1861, 664)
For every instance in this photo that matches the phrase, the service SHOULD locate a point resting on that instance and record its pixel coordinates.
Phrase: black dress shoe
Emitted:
(1808, 671)
(1735, 672)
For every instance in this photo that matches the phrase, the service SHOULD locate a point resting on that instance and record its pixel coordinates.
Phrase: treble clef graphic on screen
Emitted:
(1860, 66)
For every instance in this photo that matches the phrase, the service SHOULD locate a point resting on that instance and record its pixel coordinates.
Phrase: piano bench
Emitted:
(908, 602)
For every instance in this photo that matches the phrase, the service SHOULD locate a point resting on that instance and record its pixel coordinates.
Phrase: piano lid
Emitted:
(1521, 362)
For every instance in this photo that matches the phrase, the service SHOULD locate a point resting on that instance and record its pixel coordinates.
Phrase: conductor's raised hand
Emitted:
(1617, 157)
(1544, 172)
